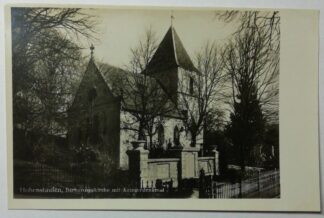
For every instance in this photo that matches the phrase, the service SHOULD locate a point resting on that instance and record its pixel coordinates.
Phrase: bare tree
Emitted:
(252, 62)
(206, 90)
(33, 30)
(142, 94)
(45, 69)
(256, 46)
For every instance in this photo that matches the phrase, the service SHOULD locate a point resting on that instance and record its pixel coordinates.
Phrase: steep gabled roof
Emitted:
(114, 78)
(125, 84)
(170, 53)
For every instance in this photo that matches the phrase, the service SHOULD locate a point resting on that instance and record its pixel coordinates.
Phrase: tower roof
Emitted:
(170, 53)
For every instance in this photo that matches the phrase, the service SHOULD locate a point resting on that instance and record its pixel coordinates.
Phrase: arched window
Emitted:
(92, 94)
(78, 136)
(191, 85)
(92, 119)
(88, 128)
(95, 129)
(176, 136)
(161, 135)
(142, 134)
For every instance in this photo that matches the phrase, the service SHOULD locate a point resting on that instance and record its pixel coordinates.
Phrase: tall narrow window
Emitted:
(92, 94)
(141, 135)
(79, 136)
(176, 136)
(92, 120)
(95, 129)
(88, 129)
(161, 135)
(191, 86)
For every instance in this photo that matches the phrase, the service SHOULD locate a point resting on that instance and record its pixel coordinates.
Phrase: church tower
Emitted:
(172, 66)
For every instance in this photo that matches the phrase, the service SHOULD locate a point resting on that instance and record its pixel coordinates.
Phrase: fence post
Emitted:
(202, 185)
(171, 185)
(212, 190)
(241, 188)
(259, 186)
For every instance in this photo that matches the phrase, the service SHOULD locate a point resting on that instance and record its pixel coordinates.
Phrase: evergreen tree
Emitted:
(252, 61)
(247, 125)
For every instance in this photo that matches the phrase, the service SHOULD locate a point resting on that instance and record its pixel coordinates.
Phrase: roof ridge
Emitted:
(170, 54)
(174, 46)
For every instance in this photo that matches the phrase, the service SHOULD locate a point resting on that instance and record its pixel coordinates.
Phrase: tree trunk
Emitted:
(140, 135)
(193, 139)
(242, 159)
(242, 163)
(150, 141)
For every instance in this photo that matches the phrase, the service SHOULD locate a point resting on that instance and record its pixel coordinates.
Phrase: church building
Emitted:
(102, 113)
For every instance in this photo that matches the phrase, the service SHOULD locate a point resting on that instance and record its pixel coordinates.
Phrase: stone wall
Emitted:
(163, 169)
(208, 165)
(184, 165)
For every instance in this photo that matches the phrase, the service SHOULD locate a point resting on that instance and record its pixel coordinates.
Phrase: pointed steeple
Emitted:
(91, 50)
(170, 54)
(91, 65)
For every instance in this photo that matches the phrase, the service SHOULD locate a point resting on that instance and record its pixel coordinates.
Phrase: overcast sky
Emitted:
(121, 29)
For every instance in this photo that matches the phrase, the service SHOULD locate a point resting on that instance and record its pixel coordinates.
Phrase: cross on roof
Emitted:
(91, 49)
(172, 17)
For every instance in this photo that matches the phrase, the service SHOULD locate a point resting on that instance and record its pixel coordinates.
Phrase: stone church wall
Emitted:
(127, 135)
(95, 111)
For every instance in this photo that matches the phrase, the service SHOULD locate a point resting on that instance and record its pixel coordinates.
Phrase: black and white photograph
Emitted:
(139, 103)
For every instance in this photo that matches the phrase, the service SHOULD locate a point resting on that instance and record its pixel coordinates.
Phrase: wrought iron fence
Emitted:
(264, 185)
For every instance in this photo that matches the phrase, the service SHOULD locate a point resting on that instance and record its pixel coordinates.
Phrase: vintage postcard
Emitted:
(198, 109)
